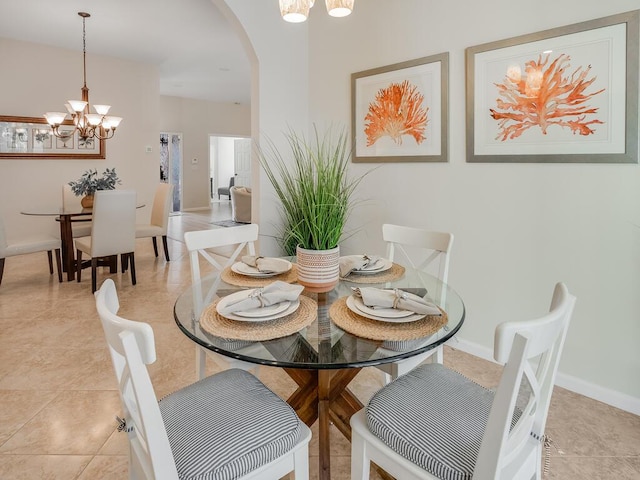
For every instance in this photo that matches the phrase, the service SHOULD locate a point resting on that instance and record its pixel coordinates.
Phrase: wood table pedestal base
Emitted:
(323, 395)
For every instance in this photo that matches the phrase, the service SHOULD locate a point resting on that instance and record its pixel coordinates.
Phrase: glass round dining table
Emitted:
(322, 358)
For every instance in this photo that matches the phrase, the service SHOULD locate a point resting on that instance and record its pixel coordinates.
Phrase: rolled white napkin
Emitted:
(264, 264)
(357, 262)
(380, 298)
(273, 293)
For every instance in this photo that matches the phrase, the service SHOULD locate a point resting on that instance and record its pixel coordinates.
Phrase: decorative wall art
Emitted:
(569, 94)
(32, 138)
(400, 112)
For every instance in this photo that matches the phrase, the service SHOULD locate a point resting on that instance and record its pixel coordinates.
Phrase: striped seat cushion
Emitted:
(434, 417)
(227, 425)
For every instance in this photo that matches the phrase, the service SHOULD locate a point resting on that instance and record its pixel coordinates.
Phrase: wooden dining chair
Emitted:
(159, 222)
(228, 425)
(235, 240)
(434, 423)
(427, 252)
(32, 244)
(112, 233)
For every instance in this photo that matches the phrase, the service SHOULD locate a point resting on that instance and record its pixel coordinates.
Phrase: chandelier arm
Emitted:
(66, 133)
(108, 133)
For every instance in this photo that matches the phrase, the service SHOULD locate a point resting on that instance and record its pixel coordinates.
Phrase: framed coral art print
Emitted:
(400, 112)
(564, 95)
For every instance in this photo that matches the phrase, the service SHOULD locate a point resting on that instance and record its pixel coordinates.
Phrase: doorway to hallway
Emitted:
(228, 157)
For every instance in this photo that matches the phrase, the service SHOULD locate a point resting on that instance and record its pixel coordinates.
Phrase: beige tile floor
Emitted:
(58, 394)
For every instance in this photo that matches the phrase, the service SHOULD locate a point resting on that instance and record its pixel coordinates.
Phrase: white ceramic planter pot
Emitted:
(318, 270)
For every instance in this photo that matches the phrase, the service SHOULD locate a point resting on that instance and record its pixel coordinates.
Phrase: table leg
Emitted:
(324, 424)
(323, 395)
(66, 239)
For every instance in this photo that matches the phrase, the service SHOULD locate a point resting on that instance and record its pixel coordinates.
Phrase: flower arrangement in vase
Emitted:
(89, 183)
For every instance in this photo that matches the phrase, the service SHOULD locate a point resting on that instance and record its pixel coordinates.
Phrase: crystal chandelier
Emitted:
(87, 124)
(296, 11)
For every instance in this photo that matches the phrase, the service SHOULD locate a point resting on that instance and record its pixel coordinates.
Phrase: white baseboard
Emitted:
(610, 397)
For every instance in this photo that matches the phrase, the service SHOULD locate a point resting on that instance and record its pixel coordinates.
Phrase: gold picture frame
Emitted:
(31, 138)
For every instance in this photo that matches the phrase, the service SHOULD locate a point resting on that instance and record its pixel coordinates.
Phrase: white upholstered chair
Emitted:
(240, 204)
(202, 430)
(32, 244)
(436, 423)
(112, 232)
(157, 226)
(199, 244)
(81, 225)
(424, 251)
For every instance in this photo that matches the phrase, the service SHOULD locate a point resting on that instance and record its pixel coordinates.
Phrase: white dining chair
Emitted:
(426, 252)
(80, 225)
(31, 244)
(159, 222)
(199, 244)
(434, 423)
(228, 425)
(112, 232)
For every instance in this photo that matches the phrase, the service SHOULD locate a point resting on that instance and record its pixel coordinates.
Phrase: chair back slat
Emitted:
(131, 345)
(199, 242)
(113, 230)
(425, 251)
(421, 249)
(533, 356)
(162, 206)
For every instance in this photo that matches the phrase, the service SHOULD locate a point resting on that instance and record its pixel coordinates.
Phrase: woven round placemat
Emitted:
(214, 323)
(376, 330)
(394, 273)
(239, 280)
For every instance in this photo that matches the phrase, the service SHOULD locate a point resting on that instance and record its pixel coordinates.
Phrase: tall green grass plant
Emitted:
(313, 186)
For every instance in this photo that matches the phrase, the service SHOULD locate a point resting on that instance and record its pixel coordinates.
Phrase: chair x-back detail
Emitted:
(202, 430)
(33, 244)
(113, 232)
(435, 249)
(159, 222)
(199, 244)
(435, 423)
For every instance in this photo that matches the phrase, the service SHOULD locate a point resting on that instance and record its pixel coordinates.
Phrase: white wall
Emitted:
(36, 79)
(518, 228)
(277, 52)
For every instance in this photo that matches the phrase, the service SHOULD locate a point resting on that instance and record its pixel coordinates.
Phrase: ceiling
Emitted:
(197, 53)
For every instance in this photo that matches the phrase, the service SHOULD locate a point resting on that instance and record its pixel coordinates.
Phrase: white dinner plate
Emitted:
(383, 264)
(265, 311)
(351, 305)
(244, 269)
(253, 315)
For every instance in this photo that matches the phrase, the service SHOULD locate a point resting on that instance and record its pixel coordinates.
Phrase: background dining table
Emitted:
(322, 358)
(65, 216)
